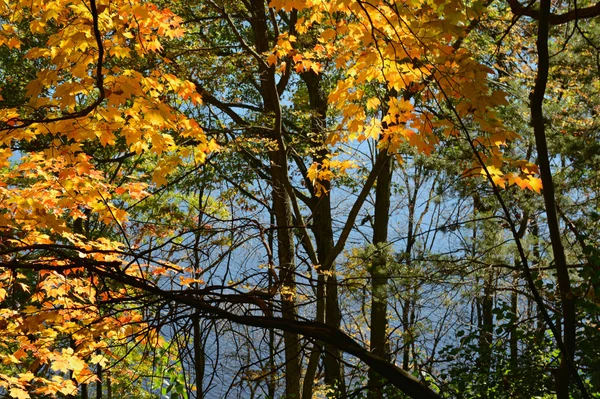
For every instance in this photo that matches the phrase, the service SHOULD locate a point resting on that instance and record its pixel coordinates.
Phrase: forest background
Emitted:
(299, 199)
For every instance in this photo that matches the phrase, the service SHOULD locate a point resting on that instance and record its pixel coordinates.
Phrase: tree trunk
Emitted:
(566, 369)
(406, 324)
(99, 383)
(380, 275)
(108, 386)
(272, 368)
(280, 197)
(514, 340)
(486, 327)
(199, 361)
(287, 268)
(327, 287)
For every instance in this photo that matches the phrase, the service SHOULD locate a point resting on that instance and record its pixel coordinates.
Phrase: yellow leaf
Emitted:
(272, 59)
(373, 103)
(535, 184)
(312, 172)
(499, 181)
(18, 393)
(10, 359)
(98, 359)
(60, 364)
(37, 26)
(158, 177)
(119, 52)
(26, 377)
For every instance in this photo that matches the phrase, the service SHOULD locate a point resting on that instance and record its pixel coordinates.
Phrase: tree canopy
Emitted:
(299, 199)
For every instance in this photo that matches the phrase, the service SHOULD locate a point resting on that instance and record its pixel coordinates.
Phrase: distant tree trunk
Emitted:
(486, 326)
(281, 200)
(199, 360)
(406, 323)
(514, 340)
(272, 369)
(327, 286)
(567, 297)
(413, 320)
(485, 306)
(99, 383)
(287, 268)
(380, 275)
(410, 288)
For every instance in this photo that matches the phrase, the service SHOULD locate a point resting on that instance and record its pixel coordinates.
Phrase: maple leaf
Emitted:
(158, 177)
(535, 184)
(14, 42)
(373, 103)
(288, 5)
(499, 181)
(26, 377)
(18, 393)
(498, 97)
(19, 354)
(119, 52)
(272, 59)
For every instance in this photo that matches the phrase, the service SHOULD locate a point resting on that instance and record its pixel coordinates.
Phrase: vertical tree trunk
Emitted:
(272, 368)
(99, 383)
(199, 360)
(413, 320)
(567, 296)
(411, 289)
(486, 327)
(514, 340)
(323, 232)
(406, 323)
(280, 197)
(380, 275)
(287, 268)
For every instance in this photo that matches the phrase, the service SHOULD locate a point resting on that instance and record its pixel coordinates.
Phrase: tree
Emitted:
(146, 148)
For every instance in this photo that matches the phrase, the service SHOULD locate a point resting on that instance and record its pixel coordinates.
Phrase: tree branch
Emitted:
(555, 19)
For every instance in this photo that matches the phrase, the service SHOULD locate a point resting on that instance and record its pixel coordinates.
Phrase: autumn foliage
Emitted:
(86, 94)
(100, 114)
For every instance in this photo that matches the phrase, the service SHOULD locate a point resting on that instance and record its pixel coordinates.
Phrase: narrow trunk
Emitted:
(327, 287)
(487, 327)
(566, 369)
(99, 383)
(272, 368)
(514, 340)
(406, 325)
(413, 320)
(380, 275)
(540, 327)
(199, 360)
(285, 254)
(281, 201)
(410, 288)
